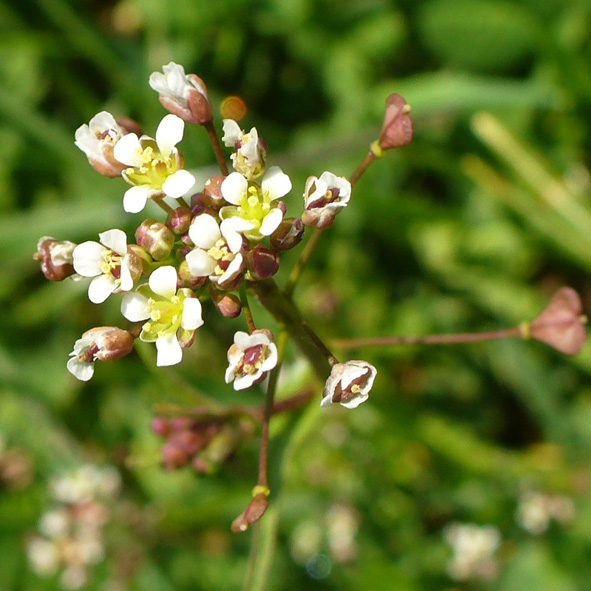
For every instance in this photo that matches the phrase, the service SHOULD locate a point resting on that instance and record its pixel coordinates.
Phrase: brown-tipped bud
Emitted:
(561, 324)
(130, 126)
(160, 426)
(397, 129)
(179, 219)
(253, 512)
(139, 257)
(184, 95)
(212, 192)
(228, 304)
(262, 262)
(156, 238)
(289, 234)
(55, 257)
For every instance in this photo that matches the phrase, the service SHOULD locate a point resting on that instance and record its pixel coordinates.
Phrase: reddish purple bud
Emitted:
(289, 234)
(173, 456)
(561, 323)
(179, 220)
(201, 466)
(262, 262)
(130, 126)
(181, 423)
(212, 192)
(156, 238)
(253, 512)
(397, 129)
(228, 304)
(160, 426)
(110, 342)
(55, 258)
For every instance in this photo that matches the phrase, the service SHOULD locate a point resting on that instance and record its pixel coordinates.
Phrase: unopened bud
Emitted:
(212, 192)
(288, 234)
(130, 126)
(179, 219)
(156, 238)
(253, 512)
(160, 426)
(55, 257)
(561, 323)
(173, 456)
(228, 304)
(184, 95)
(262, 262)
(397, 129)
(349, 384)
(187, 279)
(139, 260)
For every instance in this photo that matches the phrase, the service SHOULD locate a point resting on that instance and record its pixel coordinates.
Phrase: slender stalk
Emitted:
(363, 166)
(434, 339)
(217, 147)
(246, 310)
(164, 206)
(285, 312)
(297, 271)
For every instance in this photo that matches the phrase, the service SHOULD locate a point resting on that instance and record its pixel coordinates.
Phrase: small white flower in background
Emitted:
(250, 151)
(217, 253)
(182, 94)
(173, 315)
(349, 384)
(156, 166)
(473, 550)
(108, 263)
(253, 211)
(535, 511)
(324, 198)
(103, 343)
(250, 358)
(97, 140)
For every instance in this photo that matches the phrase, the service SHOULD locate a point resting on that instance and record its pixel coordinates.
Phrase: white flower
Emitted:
(250, 358)
(253, 212)
(324, 198)
(349, 384)
(108, 263)
(536, 510)
(182, 94)
(170, 314)
(155, 165)
(217, 253)
(97, 140)
(44, 556)
(55, 523)
(103, 343)
(473, 551)
(249, 156)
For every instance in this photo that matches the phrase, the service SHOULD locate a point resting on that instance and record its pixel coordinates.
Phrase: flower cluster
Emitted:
(216, 242)
(70, 538)
(536, 510)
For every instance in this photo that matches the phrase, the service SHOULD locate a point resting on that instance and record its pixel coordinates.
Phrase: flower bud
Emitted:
(228, 304)
(173, 456)
(262, 262)
(253, 512)
(324, 198)
(183, 95)
(130, 126)
(179, 219)
(212, 192)
(349, 384)
(156, 238)
(139, 260)
(289, 234)
(161, 426)
(55, 257)
(561, 323)
(103, 343)
(187, 279)
(397, 129)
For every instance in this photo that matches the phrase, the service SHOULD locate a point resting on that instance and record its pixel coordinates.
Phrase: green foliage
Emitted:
(471, 227)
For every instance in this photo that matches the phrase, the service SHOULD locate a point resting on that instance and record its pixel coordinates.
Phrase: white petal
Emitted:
(87, 258)
(104, 121)
(163, 281)
(232, 132)
(128, 150)
(204, 231)
(229, 375)
(178, 183)
(101, 288)
(169, 133)
(126, 280)
(271, 222)
(116, 240)
(133, 307)
(234, 268)
(234, 187)
(327, 400)
(232, 229)
(191, 314)
(355, 402)
(200, 263)
(271, 360)
(352, 372)
(169, 350)
(243, 340)
(245, 381)
(86, 140)
(276, 183)
(135, 198)
(81, 370)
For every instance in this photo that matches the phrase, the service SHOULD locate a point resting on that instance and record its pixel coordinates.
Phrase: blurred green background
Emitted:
(472, 227)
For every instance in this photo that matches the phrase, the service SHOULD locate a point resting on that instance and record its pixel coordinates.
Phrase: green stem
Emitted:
(217, 147)
(246, 310)
(363, 166)
(286, 313)
(297, 271)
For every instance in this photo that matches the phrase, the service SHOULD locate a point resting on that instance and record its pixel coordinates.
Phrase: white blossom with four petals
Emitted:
(108, 263)
(168, 311)
(155, 165)
(349, 384)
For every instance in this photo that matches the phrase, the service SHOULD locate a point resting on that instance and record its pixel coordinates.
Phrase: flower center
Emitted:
(252, 359)
(165, 317)
(111, 265)
(154, 168)
(220, 253)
